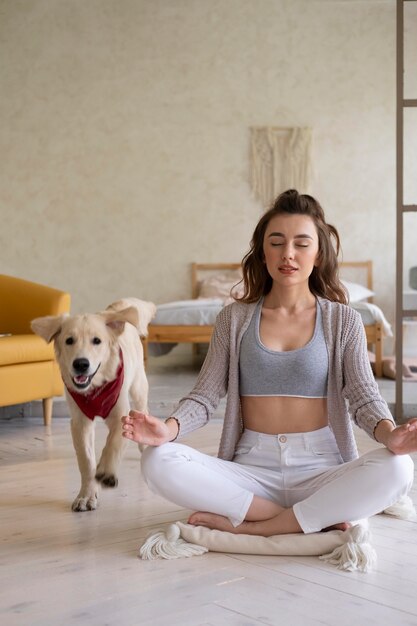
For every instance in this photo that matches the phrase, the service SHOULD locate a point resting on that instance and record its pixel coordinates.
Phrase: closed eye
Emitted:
(297, 245)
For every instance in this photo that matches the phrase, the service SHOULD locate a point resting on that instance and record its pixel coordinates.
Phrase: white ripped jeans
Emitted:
(300, 470)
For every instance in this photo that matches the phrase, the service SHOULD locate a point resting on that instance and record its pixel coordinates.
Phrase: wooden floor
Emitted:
(60, 568)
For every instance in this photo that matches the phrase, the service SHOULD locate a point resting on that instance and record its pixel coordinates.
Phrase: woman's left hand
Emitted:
(403, 439)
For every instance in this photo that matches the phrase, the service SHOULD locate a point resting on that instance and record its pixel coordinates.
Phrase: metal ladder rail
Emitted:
(400, 312)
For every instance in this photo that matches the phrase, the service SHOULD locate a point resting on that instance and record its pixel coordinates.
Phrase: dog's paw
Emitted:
(107, 480)
(85, 503)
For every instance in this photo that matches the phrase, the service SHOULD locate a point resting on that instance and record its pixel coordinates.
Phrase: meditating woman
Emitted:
(292, 358)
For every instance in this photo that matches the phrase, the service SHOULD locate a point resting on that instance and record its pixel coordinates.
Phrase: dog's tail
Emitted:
(146, 311)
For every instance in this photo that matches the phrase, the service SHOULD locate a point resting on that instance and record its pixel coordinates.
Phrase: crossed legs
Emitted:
(228, 498)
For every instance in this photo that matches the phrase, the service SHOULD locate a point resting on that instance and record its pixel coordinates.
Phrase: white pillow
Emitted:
(220, 285)
(357, 292)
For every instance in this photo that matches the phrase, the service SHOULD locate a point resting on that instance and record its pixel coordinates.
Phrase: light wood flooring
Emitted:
(60, 568)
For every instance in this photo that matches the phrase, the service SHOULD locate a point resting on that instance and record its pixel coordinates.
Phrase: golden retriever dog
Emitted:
(100, 356)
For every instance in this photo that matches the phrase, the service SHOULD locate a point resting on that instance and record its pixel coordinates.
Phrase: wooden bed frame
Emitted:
(195, 335)
(373, 331)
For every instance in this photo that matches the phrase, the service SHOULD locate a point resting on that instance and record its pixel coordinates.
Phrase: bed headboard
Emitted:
(358, 272)
(355, 271)
(363, 267)
(199, 268)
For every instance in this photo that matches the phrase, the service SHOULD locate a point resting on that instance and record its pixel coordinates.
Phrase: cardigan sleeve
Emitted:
(366, 404)
(195, 409)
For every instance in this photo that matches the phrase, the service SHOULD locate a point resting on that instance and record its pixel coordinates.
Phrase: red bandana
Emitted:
(101, 400)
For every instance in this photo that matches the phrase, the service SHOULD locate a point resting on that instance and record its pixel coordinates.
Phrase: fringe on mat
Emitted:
(168, 544)
(355, 554)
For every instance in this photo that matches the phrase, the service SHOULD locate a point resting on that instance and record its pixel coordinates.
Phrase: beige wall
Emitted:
(125, 136)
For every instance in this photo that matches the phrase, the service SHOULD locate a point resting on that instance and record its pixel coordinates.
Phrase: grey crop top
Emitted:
(301, 373)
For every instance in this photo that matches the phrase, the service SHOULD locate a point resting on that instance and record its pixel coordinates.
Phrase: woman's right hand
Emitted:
(147, 429)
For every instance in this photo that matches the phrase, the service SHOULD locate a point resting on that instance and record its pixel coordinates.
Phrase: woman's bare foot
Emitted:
(341, 526)
(215, 522)
(264, 528)
(282, 524)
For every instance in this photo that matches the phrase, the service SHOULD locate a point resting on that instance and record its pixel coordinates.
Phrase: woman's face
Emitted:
(291, 248)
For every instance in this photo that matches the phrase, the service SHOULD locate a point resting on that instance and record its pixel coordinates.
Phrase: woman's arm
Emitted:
(366, 405)
(195, 409)
(368, 408)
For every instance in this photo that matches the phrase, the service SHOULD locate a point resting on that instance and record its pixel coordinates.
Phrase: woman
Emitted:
(292, 358)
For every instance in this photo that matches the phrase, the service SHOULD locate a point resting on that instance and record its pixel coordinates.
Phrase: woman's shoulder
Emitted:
(231, 318)
(337, 310)
(241, 309)
(236, 311)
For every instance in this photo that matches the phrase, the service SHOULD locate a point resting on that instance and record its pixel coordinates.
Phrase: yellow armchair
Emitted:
(28, 370)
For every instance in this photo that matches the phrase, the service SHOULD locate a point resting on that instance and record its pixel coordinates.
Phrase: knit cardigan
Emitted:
(352, 392)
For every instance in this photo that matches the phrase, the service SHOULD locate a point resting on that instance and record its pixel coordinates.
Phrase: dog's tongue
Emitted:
(81, 379)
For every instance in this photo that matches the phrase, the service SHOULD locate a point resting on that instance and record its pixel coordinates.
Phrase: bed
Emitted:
(191, 321)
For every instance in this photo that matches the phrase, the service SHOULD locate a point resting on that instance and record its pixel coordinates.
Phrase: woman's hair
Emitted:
(324, 279)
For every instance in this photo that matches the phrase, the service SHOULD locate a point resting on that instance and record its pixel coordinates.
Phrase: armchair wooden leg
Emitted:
(47, 410)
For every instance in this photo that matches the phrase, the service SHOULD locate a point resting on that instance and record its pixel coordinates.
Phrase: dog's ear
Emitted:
(116, 321)
(48, 327)
(147, 312)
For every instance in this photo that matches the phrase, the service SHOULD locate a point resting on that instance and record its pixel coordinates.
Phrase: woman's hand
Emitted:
(401, 439)
(147, 429)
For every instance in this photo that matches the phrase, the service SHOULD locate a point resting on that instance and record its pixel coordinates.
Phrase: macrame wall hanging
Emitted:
(280, 160)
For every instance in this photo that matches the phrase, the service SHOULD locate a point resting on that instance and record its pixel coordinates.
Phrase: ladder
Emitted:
(402, 209)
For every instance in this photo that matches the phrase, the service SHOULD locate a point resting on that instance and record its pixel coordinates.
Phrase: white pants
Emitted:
(300, 470)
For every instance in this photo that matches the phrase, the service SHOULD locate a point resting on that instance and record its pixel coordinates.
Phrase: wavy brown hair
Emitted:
(324, 279)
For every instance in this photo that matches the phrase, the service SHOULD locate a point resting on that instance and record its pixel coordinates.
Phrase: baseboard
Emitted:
(34, 409)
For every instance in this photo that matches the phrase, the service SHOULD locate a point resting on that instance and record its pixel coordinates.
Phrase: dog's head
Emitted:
(86, 346)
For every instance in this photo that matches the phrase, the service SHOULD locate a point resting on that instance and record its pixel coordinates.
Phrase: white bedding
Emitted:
(197, 312)
(371, 313)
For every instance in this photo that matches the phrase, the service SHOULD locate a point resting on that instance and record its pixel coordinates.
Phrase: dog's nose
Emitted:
(81, 365)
